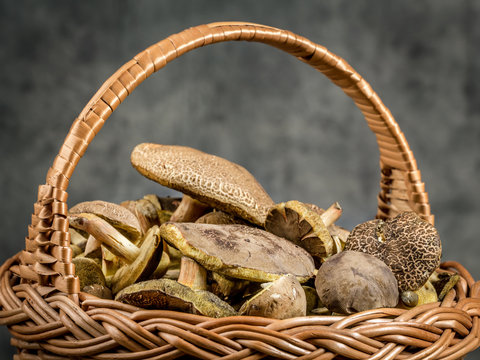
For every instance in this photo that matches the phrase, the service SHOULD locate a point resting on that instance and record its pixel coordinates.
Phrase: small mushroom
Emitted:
(145, 211)
(171, 295)
(305, 227)
(189, 210)
(409, 245)
(353, 281)
(91, 277)
(281, 299)
(141, 261)
(239, 251)
(208, 178)
(424, 295)
(118, 216)
(443, 282)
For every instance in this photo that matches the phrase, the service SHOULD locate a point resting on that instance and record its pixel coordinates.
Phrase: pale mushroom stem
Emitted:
(102, 231)
(332, 214)
(189, 210)
(192, 274)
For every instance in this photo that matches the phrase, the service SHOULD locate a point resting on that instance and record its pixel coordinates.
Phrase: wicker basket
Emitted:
(49, 318)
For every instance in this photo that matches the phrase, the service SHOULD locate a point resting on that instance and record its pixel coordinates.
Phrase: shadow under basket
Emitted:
(49, 318)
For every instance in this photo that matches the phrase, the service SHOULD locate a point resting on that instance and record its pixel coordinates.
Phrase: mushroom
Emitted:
(145, 211)
(409, 245)
(227, 287)
(220, 218)
(281, 299)
(192, 274)
(239, 251)
(118, 216)
(353, 281)
(305, 227)
(189, 210)
(141, 261)
(208, 178)
(170, 294)
(443, 282)
(91, 277)
(424, 295)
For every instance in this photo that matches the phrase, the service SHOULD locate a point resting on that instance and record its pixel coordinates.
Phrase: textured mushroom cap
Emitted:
(118, 216)
(353, 281)
(411, 247)
(208, 178)
(283, 298)
(239, 251)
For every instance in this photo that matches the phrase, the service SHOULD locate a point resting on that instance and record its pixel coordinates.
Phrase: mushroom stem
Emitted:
(332, 214)
(102, 231)
(192, 274)
(189, 210)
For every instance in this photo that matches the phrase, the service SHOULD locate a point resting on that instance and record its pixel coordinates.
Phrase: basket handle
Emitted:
(47, 259)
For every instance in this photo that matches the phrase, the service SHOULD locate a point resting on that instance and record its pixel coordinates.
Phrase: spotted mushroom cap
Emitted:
(208, 178)
(409, 245)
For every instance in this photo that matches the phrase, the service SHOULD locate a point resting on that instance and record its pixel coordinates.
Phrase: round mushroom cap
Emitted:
(409, 245)
(208, 178)
(239, 251)
(352, 281)
(118, 216)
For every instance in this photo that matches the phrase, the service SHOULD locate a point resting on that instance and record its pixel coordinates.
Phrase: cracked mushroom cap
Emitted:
(239, 251)
(208, 178)
(409, 245)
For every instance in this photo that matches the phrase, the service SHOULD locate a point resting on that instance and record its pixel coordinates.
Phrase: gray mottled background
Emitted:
(295, 131)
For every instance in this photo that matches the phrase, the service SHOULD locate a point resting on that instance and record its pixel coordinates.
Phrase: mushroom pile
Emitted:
(226, 248)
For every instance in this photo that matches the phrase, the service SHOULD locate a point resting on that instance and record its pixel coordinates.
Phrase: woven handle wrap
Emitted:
(47, 258)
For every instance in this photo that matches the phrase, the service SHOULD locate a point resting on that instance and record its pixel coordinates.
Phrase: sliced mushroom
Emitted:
(239, 251)
(118, 216)
(208, 178)
(171, 295)
(305, 227)
(281, 299)
(409, 245)
(141, 261)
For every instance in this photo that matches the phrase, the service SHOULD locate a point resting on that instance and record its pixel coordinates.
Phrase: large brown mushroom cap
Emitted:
(409, 245)
(239, 251)
(207, 178)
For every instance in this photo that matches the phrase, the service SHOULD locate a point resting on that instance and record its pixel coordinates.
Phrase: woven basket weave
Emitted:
(49, 318)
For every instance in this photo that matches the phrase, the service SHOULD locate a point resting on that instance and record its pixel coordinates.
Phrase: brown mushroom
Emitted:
(192, 274)
(353, 281)
(424, 295)
(170, 294)
(91, 277)
(305, 227)
(239, 251)
(409, 245)
(281, 299)
(220, 218)
(208, 178)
